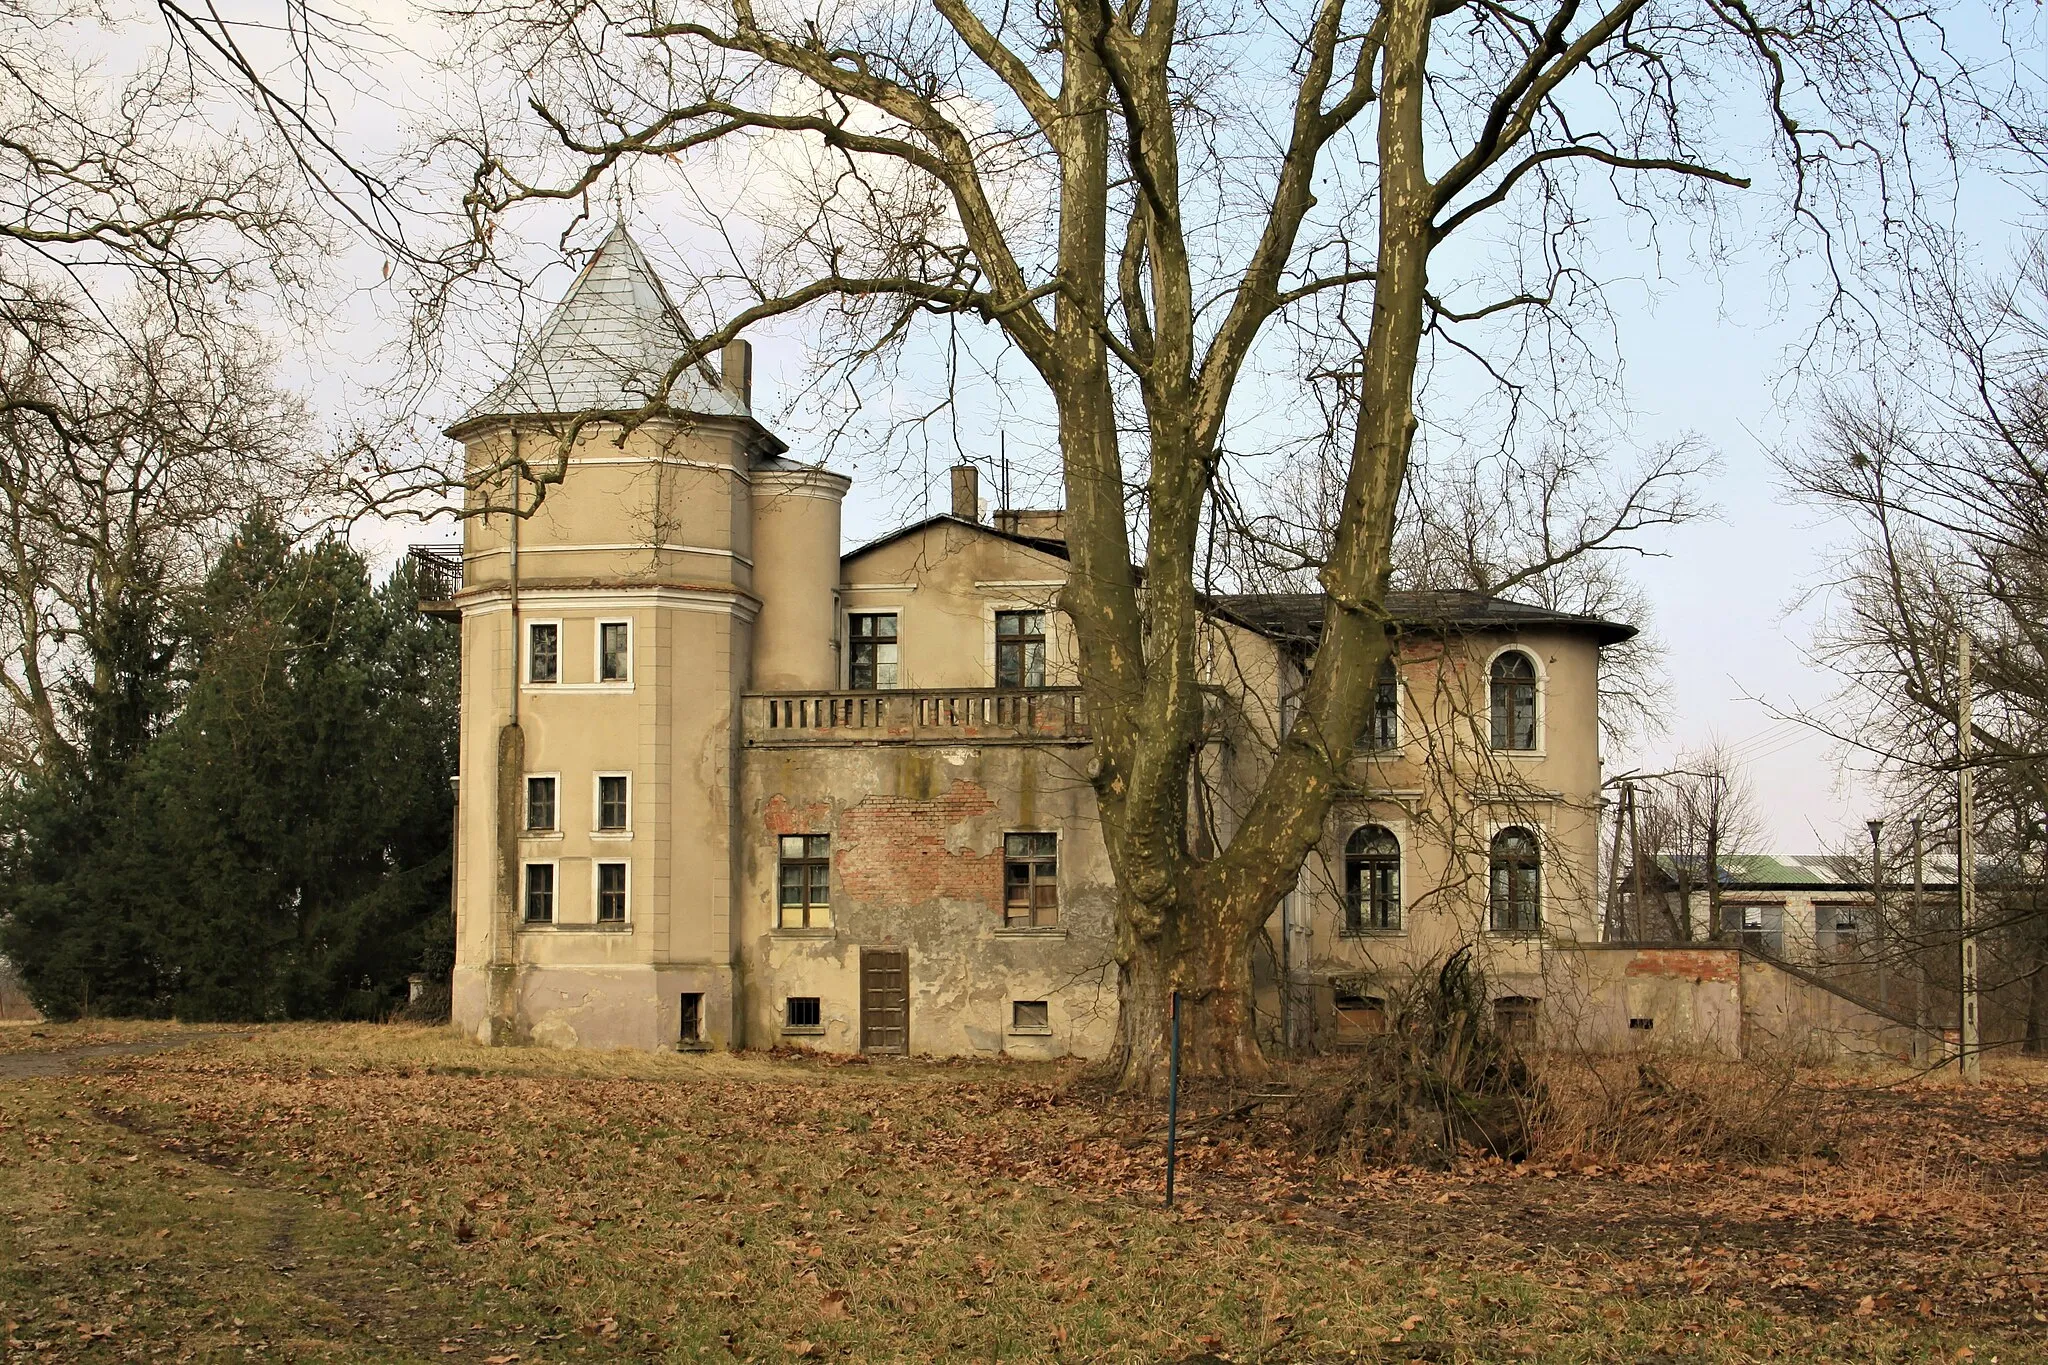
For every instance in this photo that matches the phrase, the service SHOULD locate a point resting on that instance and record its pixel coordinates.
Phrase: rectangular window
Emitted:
(611, 893)
(540, 893)
(1030, 1016)
(540, 804)
(612, 814)
(1383, 722)
(1020, 649)
(805, 898)
(692, 1027)
(1031, 881)
(872, 663)
(614, 651)
(802, 1011)
(544, 651)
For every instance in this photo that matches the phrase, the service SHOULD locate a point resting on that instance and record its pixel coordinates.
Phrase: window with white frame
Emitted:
(804, 877)
(543, 651)
(1512, 701)
(541, 812)
(612, 882)
(614, 803)
(540, 893)
(1031, 881)
(614, 651)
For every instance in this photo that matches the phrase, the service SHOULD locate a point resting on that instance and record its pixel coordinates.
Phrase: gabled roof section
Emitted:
(1796, 871)
(607, 347)
(1057, 549)
(1298, 616)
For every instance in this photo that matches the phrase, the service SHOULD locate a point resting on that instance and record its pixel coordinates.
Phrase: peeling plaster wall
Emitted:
(917, 864)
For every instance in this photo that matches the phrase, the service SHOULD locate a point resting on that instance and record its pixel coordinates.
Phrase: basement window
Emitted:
(1030, 1016)
(1516, 1017)
(692, 1027)
(803, 1014)
(1642, 1025)
(1358, 1017)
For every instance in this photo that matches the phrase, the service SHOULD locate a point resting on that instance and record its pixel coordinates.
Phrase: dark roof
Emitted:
(1298, 616)
(1056, 548)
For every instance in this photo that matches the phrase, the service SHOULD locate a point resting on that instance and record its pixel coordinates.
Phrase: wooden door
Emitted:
(884, 1000)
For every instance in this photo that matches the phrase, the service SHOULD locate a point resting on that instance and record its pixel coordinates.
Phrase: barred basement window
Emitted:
(540, 893)
(540, 804)
(805, 899)
(611, 893)
(802, 1011)
(1031, 881)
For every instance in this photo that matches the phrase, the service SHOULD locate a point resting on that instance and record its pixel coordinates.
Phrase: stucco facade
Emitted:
(724, 786)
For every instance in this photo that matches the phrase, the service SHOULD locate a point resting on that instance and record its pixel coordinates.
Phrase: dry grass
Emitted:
(1674, 1106)
(367, 1193)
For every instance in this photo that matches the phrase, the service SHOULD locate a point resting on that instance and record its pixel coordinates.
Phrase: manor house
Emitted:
(724, 785)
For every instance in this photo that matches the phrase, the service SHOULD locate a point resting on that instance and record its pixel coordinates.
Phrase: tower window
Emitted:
(1020, 649)
(614, 814)
(614, 651)
(1514, 701)
(540, 804)
(543, 651)
(540, 893)
(872, 663)
(611, 893)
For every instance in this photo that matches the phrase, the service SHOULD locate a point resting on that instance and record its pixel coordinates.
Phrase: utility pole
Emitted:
(1919, 956)
(1615, 927)
(1877, 934)
(1966, 865)
(1635, 855)
(1713, 858)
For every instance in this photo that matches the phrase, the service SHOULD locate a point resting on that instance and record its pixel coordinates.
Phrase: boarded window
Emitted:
(612, 812)
(805, 879)
(1020, 649)
(540, 893)
(1031, 881)
(1515, 882)
(611, 893)
(872, 663)
(1372, 880)
(540, 803)
(1030, 1016)
(1516, 1017)
(1514, 701)
(544, 652)
(1358, 1017)
(614, 651)
(803, 1012)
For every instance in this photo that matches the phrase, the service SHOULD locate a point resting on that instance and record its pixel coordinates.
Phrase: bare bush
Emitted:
(1617, 1111)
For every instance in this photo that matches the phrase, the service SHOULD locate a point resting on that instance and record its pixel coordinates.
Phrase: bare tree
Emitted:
(1133, 200)
(1686, 820)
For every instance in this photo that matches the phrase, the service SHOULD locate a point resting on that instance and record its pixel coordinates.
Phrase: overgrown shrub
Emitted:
(1440, 1079)
(1675, 1106)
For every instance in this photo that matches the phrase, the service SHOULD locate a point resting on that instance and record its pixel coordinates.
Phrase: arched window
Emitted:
(1372, 880)
(1514, 701)
(1383, 721)
(1516, 882)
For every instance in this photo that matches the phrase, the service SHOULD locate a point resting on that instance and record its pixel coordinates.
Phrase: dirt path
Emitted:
(61, 1061)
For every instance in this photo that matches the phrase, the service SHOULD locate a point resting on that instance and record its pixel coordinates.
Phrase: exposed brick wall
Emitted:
(813, 817)
(902, 850)
(1690, 964)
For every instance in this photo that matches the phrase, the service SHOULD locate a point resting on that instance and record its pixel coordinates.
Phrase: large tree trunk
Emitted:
(1209, 961)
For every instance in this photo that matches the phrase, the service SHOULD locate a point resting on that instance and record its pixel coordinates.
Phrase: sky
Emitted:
(1709, 354)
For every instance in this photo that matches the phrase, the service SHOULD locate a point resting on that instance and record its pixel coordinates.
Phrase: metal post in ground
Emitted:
(1172, 1097)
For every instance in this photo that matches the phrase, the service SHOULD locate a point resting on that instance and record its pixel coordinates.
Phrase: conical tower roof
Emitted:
(608, 346)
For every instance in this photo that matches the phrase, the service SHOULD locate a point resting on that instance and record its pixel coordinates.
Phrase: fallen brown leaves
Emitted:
(591, 1207)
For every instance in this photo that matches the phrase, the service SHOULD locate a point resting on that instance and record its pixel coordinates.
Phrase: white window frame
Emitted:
(555, 832)
(555, 915)
(597, 829)
(596, 884)
(1535, 658)
(526, 627)
(597, 652)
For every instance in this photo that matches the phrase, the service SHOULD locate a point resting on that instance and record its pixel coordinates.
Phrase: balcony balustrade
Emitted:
(956, 715)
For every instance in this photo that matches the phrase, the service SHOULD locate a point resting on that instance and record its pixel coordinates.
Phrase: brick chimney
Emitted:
(966, 493)
(736, 368)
